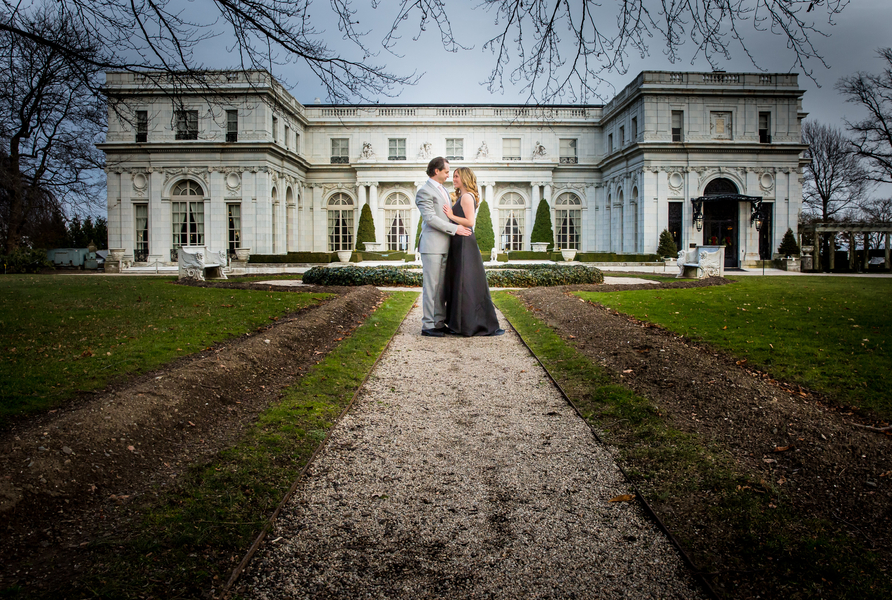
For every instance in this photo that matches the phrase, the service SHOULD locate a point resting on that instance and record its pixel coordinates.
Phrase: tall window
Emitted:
(609, 143)
(397, 209)
(511, 149)
(675, 210)
(187, 214)
(231, 125)
(677, 126)
(634, 129)
(141, 251)
(455, 149)
(235, 226)
(187, 125)
(568, 221)
(287, 135)
(568, 152)
(511, 213)
(622, 136)
(275, 130)
(340, 223)
(340, 150)
(142, 126)
(396, 149)
(764, 127)
(297, 142)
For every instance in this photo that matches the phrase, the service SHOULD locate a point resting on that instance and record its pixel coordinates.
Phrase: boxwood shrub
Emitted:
(532, 276)
(294, 257)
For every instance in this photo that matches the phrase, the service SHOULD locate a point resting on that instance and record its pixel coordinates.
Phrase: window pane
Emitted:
(235, 226)
(231, 125)
(340, 150)
(142, 126)
(455, 148)
(511, 149)
(396, 149)
(142, 232)
(187, 125)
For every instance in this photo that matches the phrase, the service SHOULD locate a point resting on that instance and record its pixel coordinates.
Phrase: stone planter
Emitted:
(568, 255)
(791, 264)
(116, 254)
(344, 255)
(242, 254)
(540, 246)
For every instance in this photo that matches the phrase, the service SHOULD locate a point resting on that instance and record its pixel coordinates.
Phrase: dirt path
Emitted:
(462, 472)
(69, 477)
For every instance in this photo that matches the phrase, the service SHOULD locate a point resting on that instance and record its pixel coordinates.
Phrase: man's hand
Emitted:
(462, 230)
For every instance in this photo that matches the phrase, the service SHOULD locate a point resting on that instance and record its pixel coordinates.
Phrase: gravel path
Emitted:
(461, 472)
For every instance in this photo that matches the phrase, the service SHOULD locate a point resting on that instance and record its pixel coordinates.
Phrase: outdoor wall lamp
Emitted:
(756, 217)
(698, 213)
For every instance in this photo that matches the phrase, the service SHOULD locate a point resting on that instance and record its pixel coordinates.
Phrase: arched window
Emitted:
(397, 209)
(340, 222)
(273, 221)
(187, 214)
(567, 218)
(511, 213)
(720, 186)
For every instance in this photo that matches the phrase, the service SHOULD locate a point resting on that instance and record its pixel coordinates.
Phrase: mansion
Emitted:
(239, 163)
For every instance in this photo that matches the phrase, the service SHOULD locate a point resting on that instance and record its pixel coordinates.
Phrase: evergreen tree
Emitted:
(418, 233)
(542, 229)
(788, 245)
(483, 229)
(667, 247)
(366, 230)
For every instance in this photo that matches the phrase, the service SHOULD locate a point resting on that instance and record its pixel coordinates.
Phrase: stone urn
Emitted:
(539, 246)
(568, 255)
(242, 254)
(344, 255)
(116, 254)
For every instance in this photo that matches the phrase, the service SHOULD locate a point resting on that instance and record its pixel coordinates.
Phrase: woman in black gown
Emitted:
(469, 309)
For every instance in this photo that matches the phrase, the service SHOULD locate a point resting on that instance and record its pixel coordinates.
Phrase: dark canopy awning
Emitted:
(755, 203)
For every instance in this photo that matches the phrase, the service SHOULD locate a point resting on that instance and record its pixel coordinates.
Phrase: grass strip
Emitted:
(190, 538)
(830, 334)
(753, 543)
(62, 334)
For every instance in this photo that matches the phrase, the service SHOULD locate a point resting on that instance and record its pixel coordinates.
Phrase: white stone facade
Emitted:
(296, 177)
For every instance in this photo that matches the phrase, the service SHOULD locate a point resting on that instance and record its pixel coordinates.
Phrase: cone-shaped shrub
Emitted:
(667, 247)
(542, 229)
(483, 229)
(366, 230)
(788, 245)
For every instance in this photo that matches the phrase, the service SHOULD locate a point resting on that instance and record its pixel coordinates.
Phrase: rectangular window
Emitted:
(396, 149)
(231, 125)
(141, 251)
(297, 142)
(567, 227)
(568, 152)
(609, 143)
(187, 125)
(275, 130)
(455, 149)
(188, 223)
(622, 136)
(235, 226)
(675, 210)
(340, 229)
(634, 129)
(340, 150)
(764, 127)
(511, 149)
(287, 135)
(677, 126)
(142, 126)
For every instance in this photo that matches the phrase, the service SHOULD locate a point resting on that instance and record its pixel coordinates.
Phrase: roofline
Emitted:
(450, 105)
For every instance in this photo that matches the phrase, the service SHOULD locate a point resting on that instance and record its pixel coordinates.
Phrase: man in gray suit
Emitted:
(434, 245)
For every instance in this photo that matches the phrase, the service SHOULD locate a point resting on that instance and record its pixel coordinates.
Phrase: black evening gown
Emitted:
(469, 309)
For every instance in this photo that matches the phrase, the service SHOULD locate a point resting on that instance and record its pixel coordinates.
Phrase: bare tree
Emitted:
(50, 120)
(835, 180)
(557, 48)
(873, 134)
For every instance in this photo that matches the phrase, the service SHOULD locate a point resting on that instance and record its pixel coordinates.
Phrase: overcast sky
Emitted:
(862, 27)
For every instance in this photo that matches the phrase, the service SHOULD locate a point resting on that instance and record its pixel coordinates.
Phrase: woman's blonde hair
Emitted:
(469, 180)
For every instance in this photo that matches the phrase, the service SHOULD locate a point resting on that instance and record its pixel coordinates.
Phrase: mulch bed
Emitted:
(70, 476)
(828, 467)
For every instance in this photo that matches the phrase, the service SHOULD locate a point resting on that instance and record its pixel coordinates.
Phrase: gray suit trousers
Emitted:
(433, 298)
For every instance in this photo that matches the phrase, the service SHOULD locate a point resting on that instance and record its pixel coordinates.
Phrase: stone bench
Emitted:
(701, 262)
(199, 263)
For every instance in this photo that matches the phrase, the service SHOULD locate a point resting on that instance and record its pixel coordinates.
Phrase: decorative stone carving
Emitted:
(233, 182)
(483, 151)
(676, 181)
(367, 152)
(201, 173)
(539, 151)
(425, 151)
(766, 182)
(140, 183)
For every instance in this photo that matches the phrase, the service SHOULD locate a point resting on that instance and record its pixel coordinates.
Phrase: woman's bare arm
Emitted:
(467, 204)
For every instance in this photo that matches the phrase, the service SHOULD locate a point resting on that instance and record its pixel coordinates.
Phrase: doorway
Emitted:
(721, 220)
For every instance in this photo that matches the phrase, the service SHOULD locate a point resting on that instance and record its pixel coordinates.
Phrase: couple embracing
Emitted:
(455, 296)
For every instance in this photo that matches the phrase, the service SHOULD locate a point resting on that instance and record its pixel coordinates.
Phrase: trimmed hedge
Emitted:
(483, 231)
(294, 257)
(613, 257)
(25, 260)
(534, 276)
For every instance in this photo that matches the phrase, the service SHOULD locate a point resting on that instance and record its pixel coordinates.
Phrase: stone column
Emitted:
(533, 211)
(360, 195)
(866, 249)
(377, 219)
(831, 246)
(851, 251)
(886, 264)
(320, 226)
(290, 225)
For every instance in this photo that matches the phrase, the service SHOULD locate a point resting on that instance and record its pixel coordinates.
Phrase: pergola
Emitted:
(816, 229)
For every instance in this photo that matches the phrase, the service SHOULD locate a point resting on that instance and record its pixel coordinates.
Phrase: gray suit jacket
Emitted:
(437, 228)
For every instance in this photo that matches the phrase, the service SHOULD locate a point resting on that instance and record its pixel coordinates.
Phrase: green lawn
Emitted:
(60, 334)
(831, 334)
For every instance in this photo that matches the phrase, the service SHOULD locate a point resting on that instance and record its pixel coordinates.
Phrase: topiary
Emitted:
(366, 230)
(418, 233)
(667, 247)
(542, 229)
(788, 245)
(486, 239)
